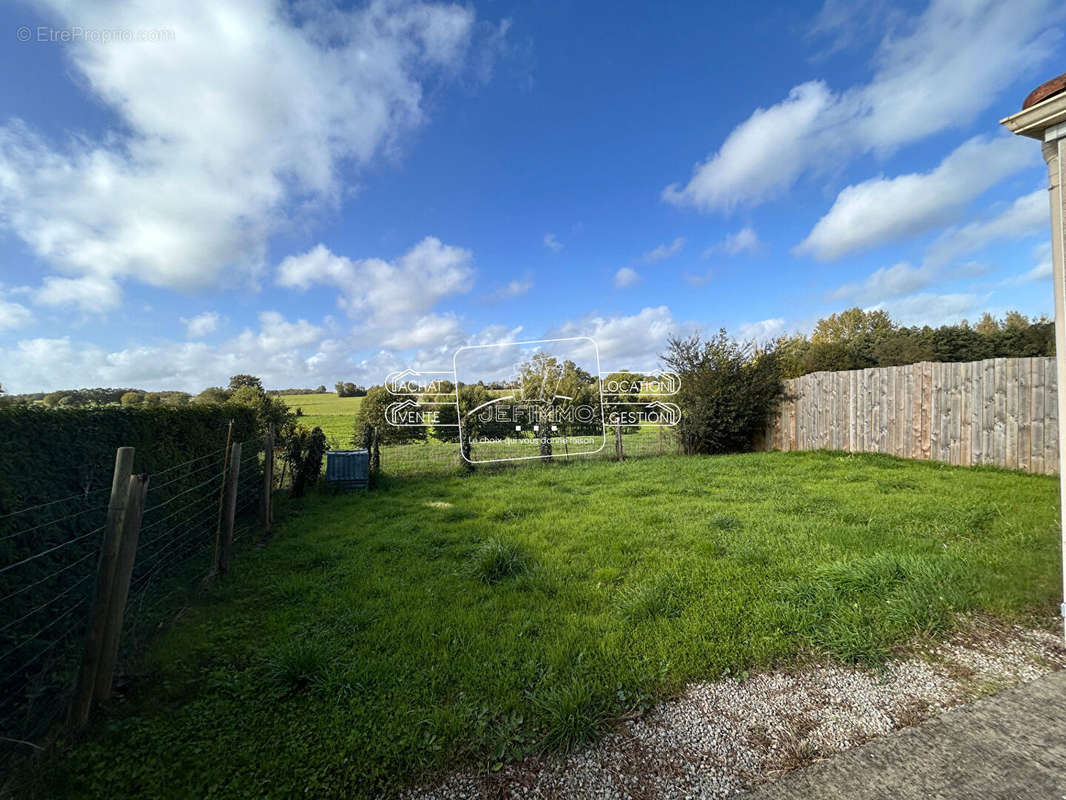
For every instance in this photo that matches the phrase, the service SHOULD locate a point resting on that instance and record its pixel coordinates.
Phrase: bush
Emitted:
(303, 452)
(728, 392)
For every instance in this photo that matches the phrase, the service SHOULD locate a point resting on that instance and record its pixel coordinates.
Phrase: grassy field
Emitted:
(334, 415)
(381, 638)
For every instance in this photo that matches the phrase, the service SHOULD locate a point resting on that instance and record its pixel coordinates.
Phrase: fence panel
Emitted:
(51, 565)
(1000, 411)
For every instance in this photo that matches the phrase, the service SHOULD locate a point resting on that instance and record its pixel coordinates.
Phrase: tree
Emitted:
(237, 381)
(791, 352)
(52, 399)
(320, 390)
(852, 324)
(269, 410)
(212, 394)
(728, 392)
(961, 343)
(372, 412)
(132, 398)
(349, 389)
(1015, 321)
(247, 395)
(905, 346)
(858, 333)
(987, 326)
(829, 356)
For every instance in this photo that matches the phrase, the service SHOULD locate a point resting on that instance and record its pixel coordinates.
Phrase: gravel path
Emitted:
(719, 739)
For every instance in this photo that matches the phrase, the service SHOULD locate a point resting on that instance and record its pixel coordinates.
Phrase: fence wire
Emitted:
(49, 559)
(432, 457)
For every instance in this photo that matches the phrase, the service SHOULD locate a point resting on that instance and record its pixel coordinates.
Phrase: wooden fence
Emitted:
(1001, 412)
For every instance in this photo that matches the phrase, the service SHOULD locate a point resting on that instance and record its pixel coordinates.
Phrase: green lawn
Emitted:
(381, 638)
(334, 415)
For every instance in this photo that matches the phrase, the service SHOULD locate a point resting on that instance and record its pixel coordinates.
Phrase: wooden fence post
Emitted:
(230, 508)
(116, 607)
(266, 507)
(81, 704)
(618, 439)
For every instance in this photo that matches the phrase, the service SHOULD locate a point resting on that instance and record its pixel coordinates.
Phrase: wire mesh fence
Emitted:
(51, 561)
(433, 457)
(47, 565)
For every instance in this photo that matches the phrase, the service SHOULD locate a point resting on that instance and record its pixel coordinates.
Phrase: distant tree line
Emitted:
(287, 392)
(89, 398)
(857, 339)
(348, 389)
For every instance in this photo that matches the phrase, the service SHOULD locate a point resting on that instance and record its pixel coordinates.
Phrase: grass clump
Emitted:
(496, 560)
(573, 714)
(725, 522)
(298, 664)
(664, 597)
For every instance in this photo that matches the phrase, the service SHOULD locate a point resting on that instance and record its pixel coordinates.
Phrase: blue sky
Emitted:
(313, 192)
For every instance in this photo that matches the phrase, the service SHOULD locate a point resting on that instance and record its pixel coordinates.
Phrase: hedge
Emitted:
(62, 460)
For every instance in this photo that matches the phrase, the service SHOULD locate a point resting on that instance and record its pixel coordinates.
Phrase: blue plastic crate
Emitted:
(348, 469)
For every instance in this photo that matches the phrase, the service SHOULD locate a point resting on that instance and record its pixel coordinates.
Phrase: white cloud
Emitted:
(761, 331)
(743, 241)
(1028, 215)
(850, 23)
(946, 66)
(697, 280)
(283, 352)
(388, 298)
(317, 265)
(899, 279)
(930, 309)
(276, 334)
(883, 209)
(1025, 216)
(627, 342)
(432, 329)
(626, 277)
(92, 293)
(272, 352)
(249, 111)
(664, 251)
(1041, 272)
(760, 158)
(515, 288)
(552, 243)
(13, 315)
(202, 324)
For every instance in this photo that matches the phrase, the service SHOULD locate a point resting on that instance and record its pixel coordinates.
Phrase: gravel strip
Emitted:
(722, 738)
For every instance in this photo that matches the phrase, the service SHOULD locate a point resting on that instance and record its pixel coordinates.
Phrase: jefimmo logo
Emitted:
(537, 399)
